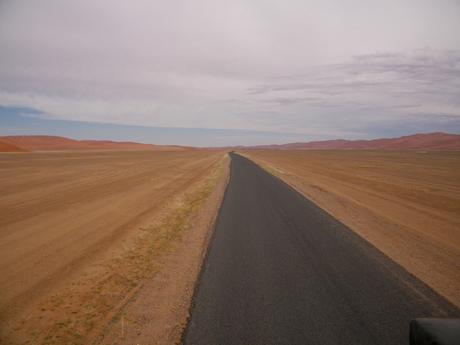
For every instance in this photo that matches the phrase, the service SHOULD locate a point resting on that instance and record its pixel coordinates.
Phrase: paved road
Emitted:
(282, 271)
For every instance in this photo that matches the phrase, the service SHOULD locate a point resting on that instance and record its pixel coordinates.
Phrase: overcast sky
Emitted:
(292, 69)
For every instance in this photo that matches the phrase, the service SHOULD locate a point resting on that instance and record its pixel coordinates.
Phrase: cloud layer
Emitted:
(314, 68)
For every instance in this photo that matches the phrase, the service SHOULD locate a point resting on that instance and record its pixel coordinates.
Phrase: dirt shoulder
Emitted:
(404, 203)
(158, 312)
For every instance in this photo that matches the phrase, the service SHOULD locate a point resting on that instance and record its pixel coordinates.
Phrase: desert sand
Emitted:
(405, 203)
(80, 233)
(7, 147)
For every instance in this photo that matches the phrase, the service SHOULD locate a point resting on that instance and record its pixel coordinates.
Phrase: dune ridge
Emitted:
(7, 147)
(421, 141)
(57, 143)
(436, 141)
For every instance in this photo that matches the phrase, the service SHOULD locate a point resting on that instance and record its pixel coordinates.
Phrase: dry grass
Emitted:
(405, 203)
(159, 312)
(81, 232)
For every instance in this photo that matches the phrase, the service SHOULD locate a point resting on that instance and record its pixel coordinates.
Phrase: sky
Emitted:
(213, 73)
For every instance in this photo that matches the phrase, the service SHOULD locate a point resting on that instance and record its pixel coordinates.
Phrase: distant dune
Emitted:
(55, 143)
(429, 141)
(7, 147)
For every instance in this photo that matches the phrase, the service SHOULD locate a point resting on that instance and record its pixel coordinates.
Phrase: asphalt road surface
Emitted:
(280, 270)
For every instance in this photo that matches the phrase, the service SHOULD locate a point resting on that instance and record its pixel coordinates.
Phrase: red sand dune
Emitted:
(55, 143)
(429, 141)
(7, 147)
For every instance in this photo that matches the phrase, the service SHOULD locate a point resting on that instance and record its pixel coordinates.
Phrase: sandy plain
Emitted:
(81, 232)
(406, 203)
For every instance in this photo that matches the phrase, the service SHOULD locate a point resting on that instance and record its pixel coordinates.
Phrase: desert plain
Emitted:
(406, 203)
(104, 247)
(80, 232)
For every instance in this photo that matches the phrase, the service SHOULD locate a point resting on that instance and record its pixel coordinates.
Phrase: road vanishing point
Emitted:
(280, 270)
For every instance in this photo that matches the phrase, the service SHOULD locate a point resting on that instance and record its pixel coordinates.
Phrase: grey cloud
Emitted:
(386, 81)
